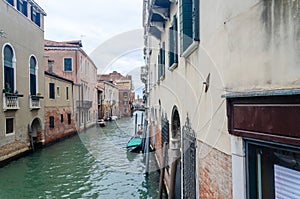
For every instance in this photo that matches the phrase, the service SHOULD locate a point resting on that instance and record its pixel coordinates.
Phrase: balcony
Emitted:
(84, 104)
(34, 102)
(11, 101)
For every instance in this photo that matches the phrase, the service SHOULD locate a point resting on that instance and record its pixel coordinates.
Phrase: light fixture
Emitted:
(206, 83)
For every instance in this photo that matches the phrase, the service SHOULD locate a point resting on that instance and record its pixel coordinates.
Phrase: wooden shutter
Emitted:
(196, 20)
(186, 24)
(163, 60)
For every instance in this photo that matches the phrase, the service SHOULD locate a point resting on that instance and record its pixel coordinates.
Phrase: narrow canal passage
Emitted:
(93, 164)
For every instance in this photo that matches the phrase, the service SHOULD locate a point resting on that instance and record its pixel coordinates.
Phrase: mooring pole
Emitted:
(135, 123)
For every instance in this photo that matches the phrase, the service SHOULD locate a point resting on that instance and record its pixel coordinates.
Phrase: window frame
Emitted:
(189, 13)
(252, 149)
(13, 66)
(35, 16)
(13, 123)
(51, 122)
(22, 6)
(67, 94)
(52, 97)
(36, 75)
(173, 44)
(64, 65)
(69, 116)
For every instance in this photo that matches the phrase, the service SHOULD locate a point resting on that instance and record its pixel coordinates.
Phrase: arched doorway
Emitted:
(36, 134)
(175, 187)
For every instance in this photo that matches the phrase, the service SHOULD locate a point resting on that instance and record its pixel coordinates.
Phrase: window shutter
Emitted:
(25, 8)
(159, 65)
(175, 40)
(186, 24)
(38, 19)
(196, 20)
(171, 46)
(163, 60)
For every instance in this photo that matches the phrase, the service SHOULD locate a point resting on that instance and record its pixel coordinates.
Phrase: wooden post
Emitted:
(135, 124)
(162, 170)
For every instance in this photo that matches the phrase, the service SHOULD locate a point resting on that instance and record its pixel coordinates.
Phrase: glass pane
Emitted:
(32, 65)
(9, 125)
(8, 56)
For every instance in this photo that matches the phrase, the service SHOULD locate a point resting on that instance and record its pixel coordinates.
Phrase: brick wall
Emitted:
(60, 129)
(215, 172)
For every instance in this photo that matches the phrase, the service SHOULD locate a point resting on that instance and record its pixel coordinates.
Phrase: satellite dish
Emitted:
(206, 83)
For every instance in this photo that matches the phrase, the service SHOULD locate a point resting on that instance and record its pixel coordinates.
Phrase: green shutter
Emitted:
(186, 24)
(171, 46)
(159, 65)
(175, 39)
(196, 20)
(163, 63)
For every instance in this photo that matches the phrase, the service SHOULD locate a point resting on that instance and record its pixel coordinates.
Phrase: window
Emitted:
(57, 91)
(9, 125)
(61, 118)
(51, 122)
(32, 69)
(11, 2)
(35, 16)
(173, 46)
(69, 118)
(9, 72)
(161, 62)
(189, 23)
(22, 6)
(272, 171)
(67, 93)
(125, 94)
(51, 91)
(125, 102)
(67, 64)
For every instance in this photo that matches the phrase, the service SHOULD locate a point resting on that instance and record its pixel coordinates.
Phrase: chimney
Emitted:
(50, 65)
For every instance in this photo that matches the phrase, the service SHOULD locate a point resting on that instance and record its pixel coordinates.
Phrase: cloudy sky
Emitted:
(100, 24)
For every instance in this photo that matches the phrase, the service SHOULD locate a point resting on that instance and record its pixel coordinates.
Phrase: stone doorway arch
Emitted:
(175, 180)
(36, 134)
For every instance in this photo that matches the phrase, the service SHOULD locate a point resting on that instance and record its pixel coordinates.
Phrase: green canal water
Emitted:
(92, 164)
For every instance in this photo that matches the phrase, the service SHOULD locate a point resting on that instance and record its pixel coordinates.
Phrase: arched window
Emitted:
(9, 72)
(33, 83)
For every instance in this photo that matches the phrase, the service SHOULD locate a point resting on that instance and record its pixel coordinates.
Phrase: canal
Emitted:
(92, 164)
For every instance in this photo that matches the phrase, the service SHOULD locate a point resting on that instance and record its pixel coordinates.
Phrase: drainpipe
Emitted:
(175, 154)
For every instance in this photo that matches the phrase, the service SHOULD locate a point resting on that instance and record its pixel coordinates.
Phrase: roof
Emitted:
(58, 77)
(74, 43)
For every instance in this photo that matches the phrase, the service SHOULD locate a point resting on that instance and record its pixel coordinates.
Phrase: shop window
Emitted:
(272, 171)
(9, 125)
